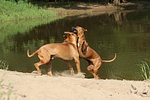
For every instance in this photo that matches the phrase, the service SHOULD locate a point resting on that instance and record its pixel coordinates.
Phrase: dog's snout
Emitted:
(75, 31)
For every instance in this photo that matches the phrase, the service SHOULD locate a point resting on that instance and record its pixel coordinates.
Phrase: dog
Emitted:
(66, 51)
(88, 53)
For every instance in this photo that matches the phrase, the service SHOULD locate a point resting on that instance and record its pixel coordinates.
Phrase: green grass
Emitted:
(10, 10)
(10, 87)
(3, 64)
(1, 92)
(145, 69)
(10, 28)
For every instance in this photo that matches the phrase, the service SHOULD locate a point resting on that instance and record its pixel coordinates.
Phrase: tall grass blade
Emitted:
(145, 70)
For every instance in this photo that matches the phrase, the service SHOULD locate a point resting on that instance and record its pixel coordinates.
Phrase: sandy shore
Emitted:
(28, 86)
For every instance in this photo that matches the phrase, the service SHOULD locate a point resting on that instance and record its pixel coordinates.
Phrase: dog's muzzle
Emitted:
(74, 30)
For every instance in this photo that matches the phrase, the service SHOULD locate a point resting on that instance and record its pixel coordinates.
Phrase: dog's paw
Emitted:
(34, 72)
(79, 75)
(50, 74)
(40, 74)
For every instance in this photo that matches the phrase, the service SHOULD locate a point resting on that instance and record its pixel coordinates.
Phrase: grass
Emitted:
(9, 91)
(23, 26)
(1, 92)
(3, 64)
(21, 17)
(145, 70)
(10, 87)
(11, 10)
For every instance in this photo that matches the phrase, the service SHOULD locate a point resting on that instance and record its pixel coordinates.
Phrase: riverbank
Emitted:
(28, 86)
(79, 8)
(22, 10)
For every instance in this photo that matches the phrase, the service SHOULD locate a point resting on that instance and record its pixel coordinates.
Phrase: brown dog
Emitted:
(88, 53)
(66, 51)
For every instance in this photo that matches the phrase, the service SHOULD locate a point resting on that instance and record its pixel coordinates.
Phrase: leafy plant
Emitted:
(145, 70)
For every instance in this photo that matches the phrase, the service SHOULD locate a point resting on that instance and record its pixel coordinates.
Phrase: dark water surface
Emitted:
(124, 33)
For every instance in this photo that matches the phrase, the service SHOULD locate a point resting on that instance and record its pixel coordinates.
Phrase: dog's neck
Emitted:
(81, 37)
(72, 42)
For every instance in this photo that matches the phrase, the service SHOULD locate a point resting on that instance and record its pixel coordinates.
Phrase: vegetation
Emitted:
(33, 9)
(3, 64)
(23, 26)
(9, 89)
(11, 10)
(23, 9)
(145, 70)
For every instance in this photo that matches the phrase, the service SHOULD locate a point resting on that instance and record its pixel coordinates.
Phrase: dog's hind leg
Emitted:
(70, 66)
(93, 70)
(90, 69)
(49, 65)
(96, 67)
(44, 58)
(37, 65)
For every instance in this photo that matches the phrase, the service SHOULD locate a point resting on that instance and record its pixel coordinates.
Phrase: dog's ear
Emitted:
(64, 36)
(85, 30)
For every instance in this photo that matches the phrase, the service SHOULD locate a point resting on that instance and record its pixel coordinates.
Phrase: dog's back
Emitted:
(60, 50)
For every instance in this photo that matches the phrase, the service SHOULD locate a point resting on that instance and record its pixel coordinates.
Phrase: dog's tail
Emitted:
(111, 59)
(32, 53)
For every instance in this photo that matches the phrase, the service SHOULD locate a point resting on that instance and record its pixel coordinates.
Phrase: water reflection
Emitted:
(126, 33)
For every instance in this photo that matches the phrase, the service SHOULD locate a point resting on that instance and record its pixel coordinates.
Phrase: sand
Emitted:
(29, 86)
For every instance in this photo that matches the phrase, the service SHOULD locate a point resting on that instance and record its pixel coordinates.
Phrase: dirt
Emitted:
(79, 8)
(29, 86)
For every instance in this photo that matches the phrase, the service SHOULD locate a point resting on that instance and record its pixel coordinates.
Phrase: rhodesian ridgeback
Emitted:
(88, 53)
(66, 51)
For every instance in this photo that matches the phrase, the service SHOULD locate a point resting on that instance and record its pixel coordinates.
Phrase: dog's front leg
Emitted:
(77, 64)
(49, 65)
(70, 66)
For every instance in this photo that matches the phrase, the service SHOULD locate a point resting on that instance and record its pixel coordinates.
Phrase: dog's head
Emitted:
(73, 38)
(79, 30)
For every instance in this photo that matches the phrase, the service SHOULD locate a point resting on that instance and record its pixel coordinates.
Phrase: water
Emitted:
(125, 33)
